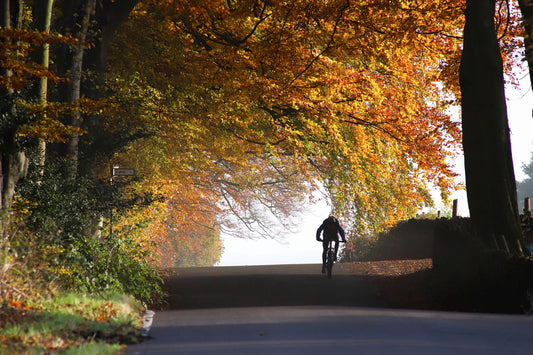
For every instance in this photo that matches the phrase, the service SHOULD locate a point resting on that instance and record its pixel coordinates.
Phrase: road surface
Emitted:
(283, 310)
(273, 285)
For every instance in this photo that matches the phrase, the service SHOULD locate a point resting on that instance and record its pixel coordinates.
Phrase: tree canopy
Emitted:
(259, 102)
(236, 113)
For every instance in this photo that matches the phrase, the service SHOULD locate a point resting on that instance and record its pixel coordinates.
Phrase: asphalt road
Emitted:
(274, 285)
(290, 310)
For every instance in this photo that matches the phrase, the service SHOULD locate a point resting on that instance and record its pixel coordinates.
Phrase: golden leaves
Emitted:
(15, 48)
(49, 130)
(47, 118)
(355, 96)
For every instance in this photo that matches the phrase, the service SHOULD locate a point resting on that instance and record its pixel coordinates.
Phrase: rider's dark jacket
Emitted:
(331, 228)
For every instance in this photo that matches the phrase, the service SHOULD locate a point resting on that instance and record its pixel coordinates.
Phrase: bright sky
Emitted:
(296, 248)
(302, 248)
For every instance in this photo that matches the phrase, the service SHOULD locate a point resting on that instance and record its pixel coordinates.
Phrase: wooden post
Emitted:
(505, 244)
(520, 247)
(527, 206)
(454, 210)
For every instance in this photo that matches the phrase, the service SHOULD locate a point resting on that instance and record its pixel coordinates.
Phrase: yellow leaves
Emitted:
(243, 88)
(47, 124)
(15, 48)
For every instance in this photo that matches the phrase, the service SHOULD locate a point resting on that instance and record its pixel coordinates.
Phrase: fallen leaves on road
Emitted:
(403, 283)
(391, 267)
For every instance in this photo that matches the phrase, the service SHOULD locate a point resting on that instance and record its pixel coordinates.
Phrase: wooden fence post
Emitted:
(454, 208)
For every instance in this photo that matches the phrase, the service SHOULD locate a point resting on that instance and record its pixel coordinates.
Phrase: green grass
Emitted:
(70, 324)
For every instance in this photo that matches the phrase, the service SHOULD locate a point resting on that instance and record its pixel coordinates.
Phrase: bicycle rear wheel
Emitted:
(329, 265)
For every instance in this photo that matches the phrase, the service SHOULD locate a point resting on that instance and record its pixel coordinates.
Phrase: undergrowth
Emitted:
(62, 278)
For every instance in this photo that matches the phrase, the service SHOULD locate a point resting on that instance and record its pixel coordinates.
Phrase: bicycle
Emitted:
(330, 259)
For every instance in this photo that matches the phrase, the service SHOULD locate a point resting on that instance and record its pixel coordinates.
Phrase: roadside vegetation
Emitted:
(70, 324)
(63, 290)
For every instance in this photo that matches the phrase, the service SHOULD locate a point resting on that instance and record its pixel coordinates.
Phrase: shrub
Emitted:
(58, 232)
(410, 239)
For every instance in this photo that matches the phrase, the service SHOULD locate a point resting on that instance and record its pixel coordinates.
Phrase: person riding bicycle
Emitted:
(331, 229)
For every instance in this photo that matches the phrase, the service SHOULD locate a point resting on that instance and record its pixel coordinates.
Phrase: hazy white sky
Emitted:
(297, 248)
(302, 248)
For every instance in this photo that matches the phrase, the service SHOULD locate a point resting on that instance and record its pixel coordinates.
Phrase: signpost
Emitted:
(123, 171)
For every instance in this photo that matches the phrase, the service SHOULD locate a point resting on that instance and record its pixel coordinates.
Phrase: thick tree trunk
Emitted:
(109, 15)
(104, 17)
(490, 180)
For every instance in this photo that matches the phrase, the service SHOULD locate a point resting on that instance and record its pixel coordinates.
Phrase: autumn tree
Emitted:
(20, 68)
(526, 9)
(26, 116)
(334, 90)
(490, 180)
(202, 166)
(61, 212)
(13, 163)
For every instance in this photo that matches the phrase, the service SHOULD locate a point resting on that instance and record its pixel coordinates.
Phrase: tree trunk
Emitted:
(109, 15)
(42, 14)
(74, 92)
(13, 162)
(490, 181)
(75, 20)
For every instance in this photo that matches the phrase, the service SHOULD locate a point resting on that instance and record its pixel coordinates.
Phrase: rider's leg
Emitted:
(336, 248)
(325, 246)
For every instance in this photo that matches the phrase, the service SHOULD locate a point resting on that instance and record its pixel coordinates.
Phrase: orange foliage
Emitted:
(43, 119)
(15, 47)
(259, 101)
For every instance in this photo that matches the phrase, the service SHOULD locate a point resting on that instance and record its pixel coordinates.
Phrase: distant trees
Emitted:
(524, 188)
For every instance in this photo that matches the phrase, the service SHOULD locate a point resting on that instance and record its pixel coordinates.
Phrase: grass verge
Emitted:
(70, 324)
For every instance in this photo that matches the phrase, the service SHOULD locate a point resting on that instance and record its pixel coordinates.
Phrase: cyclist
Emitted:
(331, 229)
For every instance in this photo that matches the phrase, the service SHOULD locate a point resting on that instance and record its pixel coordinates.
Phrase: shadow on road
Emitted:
(294, 309)
(279, 285)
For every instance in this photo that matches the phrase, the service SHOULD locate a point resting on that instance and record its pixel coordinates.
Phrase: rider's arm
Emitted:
(318, 231)
(341, 232)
